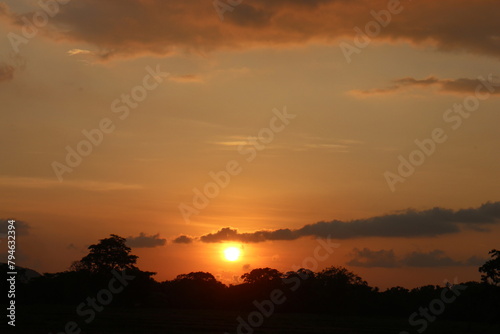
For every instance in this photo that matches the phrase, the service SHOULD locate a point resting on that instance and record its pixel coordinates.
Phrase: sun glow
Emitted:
(232, 253)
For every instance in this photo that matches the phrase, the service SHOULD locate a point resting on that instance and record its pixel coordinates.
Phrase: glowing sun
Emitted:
(232, 253)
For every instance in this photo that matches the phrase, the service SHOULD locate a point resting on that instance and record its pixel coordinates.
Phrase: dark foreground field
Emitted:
(52, 319)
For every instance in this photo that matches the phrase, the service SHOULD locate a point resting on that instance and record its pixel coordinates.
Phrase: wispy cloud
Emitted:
(442, 86)
(74, 52)
(35, 182)
(186, 78)
(301, 142)
(387, 259)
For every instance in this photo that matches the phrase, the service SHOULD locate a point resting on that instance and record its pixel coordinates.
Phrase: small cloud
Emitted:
(369, 259)
(22, 228)
(187, 78)
(71, 246)
(74, 52)
(6, 72)
(183, 239)
(435, 258)
(246, 266)
(232, 143)
(10, 67)
(145, 241)
(475, 261)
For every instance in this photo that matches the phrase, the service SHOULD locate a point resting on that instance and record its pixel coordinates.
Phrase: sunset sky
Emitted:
(269, 126)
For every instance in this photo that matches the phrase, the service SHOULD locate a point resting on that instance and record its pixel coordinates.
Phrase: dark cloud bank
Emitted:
(407, 224)
(387, 259)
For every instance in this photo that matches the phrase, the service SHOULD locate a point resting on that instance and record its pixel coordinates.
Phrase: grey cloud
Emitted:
(183, 239)
(447, 86)
(131, 28)
(407, 224)
(387, 259)
(368, 258)
(145, 241)
(22, 228)
(435, 258)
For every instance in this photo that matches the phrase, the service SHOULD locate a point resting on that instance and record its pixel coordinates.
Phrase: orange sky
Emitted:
(301, 120)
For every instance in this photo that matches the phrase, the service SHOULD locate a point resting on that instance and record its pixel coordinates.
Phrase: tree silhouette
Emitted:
(340, 276)
(198, 276)
(110, 253)
(262, 275)
(491, 269)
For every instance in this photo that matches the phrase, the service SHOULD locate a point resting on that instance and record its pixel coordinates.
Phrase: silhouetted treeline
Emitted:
(108, 275)
(334, 290)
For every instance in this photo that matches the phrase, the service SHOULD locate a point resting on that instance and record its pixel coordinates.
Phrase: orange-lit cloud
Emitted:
(134, 27)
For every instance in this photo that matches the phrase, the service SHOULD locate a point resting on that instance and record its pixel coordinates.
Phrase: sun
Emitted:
(232, 253)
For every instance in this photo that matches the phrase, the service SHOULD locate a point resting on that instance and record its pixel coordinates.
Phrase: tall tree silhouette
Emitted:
(491, 269)
(110, 253)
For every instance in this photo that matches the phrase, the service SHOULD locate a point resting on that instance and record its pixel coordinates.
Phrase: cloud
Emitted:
(22, 228)
(145, 241)
(386, 259)
(368, 258)
(187, 78)
(406, 224)
(74, 52)
(435, 258)
(459, 86)
(41, 183)
(134, 27)
(6, 72)
(8, 68)
(183, 239)
(438, 258)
